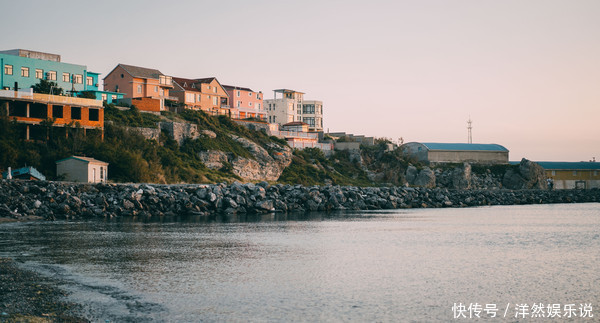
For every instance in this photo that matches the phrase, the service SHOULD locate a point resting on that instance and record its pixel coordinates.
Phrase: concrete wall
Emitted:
(180, 131)
(282, 111)
(347, 145)
(481, 157)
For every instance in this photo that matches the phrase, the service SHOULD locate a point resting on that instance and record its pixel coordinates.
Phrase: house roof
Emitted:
(295, 123)
(85, 159)
(24, 171)
(231, 87)
(463, 146)
(141, 72)
(570, 165)
(287, 91)
(186, 84)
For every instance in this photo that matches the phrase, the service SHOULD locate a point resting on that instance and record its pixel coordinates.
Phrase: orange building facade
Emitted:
(246, 103)
(140, 82)
(205, 94)
(33, 109)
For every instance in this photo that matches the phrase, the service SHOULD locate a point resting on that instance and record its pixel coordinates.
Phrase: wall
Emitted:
(284, 111)
(482, 157)
(74, 170)
(347, 145)
(114, 82)
(564, 179)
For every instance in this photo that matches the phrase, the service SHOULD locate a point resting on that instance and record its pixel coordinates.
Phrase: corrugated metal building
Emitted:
(435, 152)
(570, 175)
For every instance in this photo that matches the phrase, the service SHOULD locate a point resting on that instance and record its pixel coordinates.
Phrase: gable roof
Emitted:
(463, 146)
(231, 87)
(85, 159)
(141, 72)
(570, 165)
(186, 84)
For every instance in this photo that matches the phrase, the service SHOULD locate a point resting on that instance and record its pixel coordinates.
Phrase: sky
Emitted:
(526, 72)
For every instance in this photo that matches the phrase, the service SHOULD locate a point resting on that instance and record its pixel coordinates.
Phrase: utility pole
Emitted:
(470, 127)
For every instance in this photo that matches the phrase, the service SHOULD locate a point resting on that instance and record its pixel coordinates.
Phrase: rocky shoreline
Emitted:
(22, 200)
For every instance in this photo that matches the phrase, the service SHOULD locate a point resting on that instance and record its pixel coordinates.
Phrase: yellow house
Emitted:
(570, 175)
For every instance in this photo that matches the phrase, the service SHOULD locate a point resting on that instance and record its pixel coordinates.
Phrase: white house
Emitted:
(82, 169)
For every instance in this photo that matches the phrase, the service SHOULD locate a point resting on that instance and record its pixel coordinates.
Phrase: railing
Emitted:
(50, 98)
(294, 134)
(302, 145)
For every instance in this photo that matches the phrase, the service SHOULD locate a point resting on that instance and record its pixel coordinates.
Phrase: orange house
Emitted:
(205, 94)
(246, 103)
(146, 88)
(33, 109)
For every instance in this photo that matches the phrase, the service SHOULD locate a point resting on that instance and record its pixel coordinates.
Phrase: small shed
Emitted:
(82, 169)
(434, 152)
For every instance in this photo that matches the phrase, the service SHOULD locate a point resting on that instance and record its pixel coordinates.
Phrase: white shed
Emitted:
(82, 169)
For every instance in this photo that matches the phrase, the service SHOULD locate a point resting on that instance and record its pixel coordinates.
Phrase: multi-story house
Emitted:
(312, 114)
(205, 94)
(246, 103)
(285, 109)
(146, 88)
(22, 69)
(291, 107)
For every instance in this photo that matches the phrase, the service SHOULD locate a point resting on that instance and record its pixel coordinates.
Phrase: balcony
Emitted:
(165, 81)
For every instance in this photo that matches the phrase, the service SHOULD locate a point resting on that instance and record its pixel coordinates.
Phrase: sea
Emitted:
(499, 263)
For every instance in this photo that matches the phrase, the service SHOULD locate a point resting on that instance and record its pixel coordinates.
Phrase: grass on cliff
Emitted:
(311, 167)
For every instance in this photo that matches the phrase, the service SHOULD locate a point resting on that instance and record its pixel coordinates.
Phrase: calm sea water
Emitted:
(404, 265)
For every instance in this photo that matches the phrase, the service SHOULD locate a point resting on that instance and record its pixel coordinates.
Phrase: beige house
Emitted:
(82, 169)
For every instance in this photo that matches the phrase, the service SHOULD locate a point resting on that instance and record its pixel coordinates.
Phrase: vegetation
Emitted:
(131, 117)
(87, 95)
(47, 87)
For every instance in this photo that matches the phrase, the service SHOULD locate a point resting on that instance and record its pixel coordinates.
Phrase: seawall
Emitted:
(63, 200)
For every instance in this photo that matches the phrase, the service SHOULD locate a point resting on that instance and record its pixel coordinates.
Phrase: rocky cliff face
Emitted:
(266, 165)
(423, 178)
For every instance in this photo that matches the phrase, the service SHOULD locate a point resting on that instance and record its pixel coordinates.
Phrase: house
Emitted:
(245, 103)
(570, 175)
(82, 169)
(32, 111)
(291, 107)
(430, 152)
(22, 69)
(297, 136)
(27, 173)
(285, 109)
(205, 94)
(146, 88)
(312, 114)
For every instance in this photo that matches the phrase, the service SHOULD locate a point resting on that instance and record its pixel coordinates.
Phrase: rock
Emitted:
(411, 174)
(266, 205)
(209, 134)
(214, 159)
(529, 175)
(37, 204)
(127, 204)
(426, 178)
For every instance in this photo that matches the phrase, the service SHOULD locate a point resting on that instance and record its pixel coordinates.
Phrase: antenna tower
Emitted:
(470, 127)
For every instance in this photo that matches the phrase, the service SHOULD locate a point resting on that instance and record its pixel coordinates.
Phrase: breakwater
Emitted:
(60, 200)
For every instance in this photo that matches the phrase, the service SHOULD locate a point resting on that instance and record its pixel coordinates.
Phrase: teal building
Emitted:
(21, 69)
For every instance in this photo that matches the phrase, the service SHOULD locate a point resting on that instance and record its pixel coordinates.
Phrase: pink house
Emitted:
(246, 103)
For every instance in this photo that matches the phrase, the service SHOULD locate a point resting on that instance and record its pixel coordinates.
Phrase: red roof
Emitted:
(295, 123)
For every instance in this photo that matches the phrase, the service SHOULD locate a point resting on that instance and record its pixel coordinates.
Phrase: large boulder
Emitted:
(411, 174)
(529, 175)
(426, 178)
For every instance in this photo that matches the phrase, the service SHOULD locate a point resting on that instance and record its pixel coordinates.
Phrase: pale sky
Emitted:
(526, 72)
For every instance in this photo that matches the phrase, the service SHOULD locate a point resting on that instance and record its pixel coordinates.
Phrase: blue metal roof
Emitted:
(25, 170)
(463, 146)
(570, 165)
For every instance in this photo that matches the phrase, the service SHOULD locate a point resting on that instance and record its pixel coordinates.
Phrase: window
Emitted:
(199, 97)
(77, 78)
(308, 108)
(249, 93)
(57, 111)
(89, 80)
(553, 173)
(156, 89)
(208, 87)
(238, 93)
(139, 89)
(574, 173)
(215, 89)
(258, 106)
(39, 73)
(51, 76)
(310, 121)
(25, 71)
(113, 97)
(239, 104)
(94, 115)
(595, 173)
(104, 97)
(250, 103)
(8, 69)
(66, 77)
(76, 113)
(101, 173)
(189, 97)
(215, 100)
